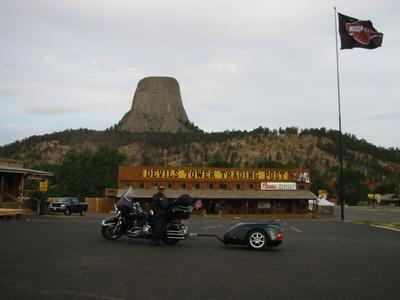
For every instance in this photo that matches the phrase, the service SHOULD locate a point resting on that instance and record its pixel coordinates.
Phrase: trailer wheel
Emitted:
(257, 239)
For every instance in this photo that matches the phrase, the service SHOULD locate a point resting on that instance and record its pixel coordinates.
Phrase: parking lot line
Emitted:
(296, 229)
(293, 228)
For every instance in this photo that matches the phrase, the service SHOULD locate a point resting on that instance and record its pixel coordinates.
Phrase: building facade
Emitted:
(226, 190)
(12, 178)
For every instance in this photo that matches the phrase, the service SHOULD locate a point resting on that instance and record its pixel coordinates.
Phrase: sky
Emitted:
(242, 64)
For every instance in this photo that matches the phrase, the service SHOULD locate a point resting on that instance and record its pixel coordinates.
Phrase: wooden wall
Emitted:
(100, 205)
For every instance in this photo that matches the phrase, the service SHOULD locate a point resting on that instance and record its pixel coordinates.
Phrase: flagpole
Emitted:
(341, 198)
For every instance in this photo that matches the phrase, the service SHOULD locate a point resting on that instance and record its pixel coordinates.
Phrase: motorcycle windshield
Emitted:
(129, 194)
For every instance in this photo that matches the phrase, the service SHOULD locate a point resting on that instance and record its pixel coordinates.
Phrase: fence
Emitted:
(100, 205)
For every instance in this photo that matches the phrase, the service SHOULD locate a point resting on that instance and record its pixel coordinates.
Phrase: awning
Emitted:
(28, 172)
(390, 197)
(224, 194)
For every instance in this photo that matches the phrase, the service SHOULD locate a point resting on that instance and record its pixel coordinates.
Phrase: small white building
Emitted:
(321, 206)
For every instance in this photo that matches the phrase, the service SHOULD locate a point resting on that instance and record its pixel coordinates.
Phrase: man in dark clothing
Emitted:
(159, 205)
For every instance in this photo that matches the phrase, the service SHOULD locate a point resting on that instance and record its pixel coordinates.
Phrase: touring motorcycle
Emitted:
(131, 220)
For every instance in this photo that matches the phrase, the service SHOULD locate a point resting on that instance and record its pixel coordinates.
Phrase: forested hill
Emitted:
(316, 149)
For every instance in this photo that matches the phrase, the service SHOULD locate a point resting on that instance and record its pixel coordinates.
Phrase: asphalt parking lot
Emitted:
(65, 257)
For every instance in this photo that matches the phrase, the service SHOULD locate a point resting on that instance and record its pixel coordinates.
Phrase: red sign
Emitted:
(278, 186)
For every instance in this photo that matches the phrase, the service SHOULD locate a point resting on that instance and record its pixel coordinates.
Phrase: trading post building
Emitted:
(224, 190)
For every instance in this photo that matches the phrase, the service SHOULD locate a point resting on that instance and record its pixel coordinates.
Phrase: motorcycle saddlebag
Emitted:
(180, 212)
(184, 200)
(181, 208)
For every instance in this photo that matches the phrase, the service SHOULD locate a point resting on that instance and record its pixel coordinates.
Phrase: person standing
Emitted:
(159, 205)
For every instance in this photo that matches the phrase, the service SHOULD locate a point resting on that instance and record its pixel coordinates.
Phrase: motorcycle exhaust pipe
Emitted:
(103, 223)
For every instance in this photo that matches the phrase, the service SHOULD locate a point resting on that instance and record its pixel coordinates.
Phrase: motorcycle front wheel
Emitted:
(108, 232)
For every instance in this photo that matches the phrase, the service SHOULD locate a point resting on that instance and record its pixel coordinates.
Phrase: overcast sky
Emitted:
(240, 64)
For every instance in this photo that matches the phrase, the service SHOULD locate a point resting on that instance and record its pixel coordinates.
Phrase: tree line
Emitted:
(83, 173)
(114, 137)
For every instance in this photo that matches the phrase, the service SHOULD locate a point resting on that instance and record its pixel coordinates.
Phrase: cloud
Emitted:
(7, 91)
(52, 110)
(10, 132)
(107, 67)
(240, 64)
(213, 77)
(391, 115)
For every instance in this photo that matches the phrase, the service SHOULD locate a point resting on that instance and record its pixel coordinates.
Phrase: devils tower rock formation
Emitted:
(156, 107)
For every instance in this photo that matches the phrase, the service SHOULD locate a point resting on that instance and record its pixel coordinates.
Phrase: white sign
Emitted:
(264, 204)
(278, 186)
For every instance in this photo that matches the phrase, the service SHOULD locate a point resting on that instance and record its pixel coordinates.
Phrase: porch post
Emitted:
(1, 189)
(21, 191)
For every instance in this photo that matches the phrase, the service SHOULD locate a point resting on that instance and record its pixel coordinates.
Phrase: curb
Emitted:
(385, 227)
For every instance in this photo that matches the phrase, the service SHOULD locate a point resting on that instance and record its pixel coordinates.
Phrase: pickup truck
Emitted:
(68, 205)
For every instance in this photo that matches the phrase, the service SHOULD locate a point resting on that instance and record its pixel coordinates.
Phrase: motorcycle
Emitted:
(131, 220)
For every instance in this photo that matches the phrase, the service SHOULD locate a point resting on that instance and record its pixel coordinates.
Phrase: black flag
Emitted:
(358, 34)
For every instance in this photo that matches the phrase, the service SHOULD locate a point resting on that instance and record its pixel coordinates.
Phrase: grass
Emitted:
(396, 225)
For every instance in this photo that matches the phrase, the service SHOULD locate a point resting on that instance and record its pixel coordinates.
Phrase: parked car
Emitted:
(255, 234)
(68, 205)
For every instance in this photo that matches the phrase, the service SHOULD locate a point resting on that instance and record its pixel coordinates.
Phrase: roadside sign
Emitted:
(322, 193)
(43, 185)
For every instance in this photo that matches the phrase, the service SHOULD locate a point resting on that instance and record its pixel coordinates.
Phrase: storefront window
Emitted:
(264, 204)
(278, 206)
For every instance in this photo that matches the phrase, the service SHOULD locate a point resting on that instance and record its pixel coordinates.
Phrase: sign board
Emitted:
(278, 186)
(43, 186)
(322, 193)
(215, 174)
(187, 174)
(376, 197)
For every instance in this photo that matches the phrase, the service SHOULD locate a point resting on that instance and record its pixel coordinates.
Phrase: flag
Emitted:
(198, 204)
(358, 34)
